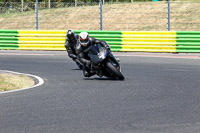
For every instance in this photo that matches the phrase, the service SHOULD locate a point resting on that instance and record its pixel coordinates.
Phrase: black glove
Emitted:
(108, 47)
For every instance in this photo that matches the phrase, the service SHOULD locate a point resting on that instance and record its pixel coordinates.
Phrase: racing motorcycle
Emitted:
(104, 62)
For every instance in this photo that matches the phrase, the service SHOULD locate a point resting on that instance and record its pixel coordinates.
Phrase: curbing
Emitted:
(126, 41)
(40, 81)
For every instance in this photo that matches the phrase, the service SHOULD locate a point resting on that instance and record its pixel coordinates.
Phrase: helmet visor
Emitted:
(84, 42)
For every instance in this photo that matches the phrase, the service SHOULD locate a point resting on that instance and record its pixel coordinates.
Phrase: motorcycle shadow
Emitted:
(76, 69)
(102, 78)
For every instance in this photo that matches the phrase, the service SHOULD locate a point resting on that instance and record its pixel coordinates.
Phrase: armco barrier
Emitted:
(127, 41)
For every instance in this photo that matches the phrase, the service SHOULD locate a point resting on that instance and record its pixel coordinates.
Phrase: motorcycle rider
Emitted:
(70, 45)
(84, 42)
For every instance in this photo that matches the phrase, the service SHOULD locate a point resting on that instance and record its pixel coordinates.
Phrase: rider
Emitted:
(84, 42)
(70, 45)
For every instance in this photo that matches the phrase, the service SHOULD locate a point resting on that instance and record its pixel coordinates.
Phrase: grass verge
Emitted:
(14, 81)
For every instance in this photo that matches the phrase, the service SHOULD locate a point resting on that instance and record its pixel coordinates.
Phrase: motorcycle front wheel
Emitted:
(114, 71)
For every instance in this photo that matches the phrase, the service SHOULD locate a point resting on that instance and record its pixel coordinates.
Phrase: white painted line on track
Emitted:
(40, 81)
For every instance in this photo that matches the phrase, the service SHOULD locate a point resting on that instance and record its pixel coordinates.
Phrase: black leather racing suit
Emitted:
(82, 54)
(70, 46)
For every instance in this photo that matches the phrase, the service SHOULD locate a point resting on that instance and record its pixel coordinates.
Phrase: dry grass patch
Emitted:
(137, 16)
(13, 82)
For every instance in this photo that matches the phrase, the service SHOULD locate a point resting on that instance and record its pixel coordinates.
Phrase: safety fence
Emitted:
(116, 16)
(126, 41)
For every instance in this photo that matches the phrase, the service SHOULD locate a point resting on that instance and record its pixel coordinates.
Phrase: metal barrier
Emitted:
(126, 41)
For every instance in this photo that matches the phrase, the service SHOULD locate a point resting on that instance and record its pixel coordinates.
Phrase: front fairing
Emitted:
(97, 53)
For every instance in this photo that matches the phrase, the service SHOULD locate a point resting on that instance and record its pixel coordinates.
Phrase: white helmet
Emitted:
(84, 38)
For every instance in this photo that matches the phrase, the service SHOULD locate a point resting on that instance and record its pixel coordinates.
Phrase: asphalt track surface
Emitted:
(160, 94)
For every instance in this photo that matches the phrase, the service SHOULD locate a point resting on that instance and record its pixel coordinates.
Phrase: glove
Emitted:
(108, 47)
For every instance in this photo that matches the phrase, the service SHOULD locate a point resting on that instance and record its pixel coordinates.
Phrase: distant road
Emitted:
(159, 95)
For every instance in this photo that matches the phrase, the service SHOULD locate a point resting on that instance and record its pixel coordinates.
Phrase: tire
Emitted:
(115, 72)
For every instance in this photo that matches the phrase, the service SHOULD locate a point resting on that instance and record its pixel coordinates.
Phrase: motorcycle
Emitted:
(104, 62)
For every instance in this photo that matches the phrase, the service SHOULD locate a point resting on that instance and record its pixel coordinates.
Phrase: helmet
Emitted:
(84, 38)
(71, 35)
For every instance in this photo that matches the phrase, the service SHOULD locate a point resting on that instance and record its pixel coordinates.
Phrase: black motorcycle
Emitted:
(104, 62)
